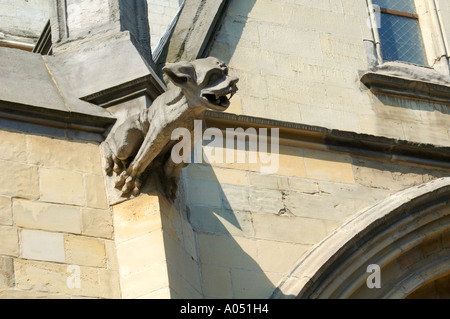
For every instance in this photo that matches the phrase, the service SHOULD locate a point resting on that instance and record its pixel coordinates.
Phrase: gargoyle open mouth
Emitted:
(220, 100)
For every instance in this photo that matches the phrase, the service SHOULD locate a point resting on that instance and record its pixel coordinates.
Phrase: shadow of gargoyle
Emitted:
(143, 142)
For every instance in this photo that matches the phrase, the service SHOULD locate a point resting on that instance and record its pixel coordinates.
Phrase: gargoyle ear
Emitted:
(180, 73)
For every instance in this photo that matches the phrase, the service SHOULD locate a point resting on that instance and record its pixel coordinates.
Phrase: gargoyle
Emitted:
(143, 142)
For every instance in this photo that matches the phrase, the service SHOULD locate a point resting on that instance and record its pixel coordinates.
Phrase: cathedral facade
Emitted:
(319, 166)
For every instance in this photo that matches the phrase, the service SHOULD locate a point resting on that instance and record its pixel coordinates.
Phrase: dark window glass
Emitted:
(400, 36)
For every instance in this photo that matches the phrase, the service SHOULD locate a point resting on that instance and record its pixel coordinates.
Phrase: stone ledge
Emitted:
(150, 86)
(409, 81)
(55, 118)
(371, 146)
(416, 89)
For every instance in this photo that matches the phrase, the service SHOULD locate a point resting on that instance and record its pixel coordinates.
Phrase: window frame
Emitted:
(430, 28)
(408, 15)
(405, 79)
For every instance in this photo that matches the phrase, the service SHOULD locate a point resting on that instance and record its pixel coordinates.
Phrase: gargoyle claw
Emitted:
(121, 180)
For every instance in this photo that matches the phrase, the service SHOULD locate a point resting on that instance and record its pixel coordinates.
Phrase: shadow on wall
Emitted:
(234, 263)
(244, 241)
(223, 229)
(231, 30)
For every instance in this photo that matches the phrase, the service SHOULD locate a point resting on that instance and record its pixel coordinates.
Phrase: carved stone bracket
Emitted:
(140, 146)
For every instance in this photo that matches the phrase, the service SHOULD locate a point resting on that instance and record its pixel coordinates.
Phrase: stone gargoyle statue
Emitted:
(142, 143)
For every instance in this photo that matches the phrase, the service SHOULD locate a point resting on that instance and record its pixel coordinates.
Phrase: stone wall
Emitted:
(156, 249)
(160, 13)
(24, 19)
(251, 228)
(299, 61)
(55, 221)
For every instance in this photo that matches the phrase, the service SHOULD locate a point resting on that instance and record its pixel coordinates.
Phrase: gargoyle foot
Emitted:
(121, 180)
(170, 188)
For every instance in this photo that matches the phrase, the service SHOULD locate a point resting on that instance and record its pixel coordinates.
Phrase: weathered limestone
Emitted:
(155, 252)
(418, 248)
(50, 217)
(76, 20)
(45, 246)
(10, 241)
(192, 35)
(233, 231)
(5, 211)
(314, 78)
(6, 273)
(134, 146)
(53, 216)
(21, 25)
(22, 180)
(85, 251)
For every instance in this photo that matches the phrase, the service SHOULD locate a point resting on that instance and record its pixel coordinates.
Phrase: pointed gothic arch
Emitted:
(407, 235)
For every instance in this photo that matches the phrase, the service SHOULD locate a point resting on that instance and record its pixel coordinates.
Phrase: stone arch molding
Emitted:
(407, 235)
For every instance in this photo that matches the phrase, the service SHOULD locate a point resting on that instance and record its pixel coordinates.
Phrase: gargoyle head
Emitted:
(205, 82)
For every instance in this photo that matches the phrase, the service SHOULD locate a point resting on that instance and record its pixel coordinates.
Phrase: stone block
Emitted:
(136, 217)
(145, 282)
(330, 118)
(216, 282)
(203, 192)
(41, 245)
(163, 293)
(85, 251)
(111, 255)
(381, 127)
(44, 216)
(19, 180)
(61, 186)
(329, 166)
(288, 228)
(47, 277)
(70, 155)
(12, 146)
(95, 191)
(303, 185)
(390, 176)
(264, 10)
(181, 288)
(9, 240)
(96, 223)
(263, 180)
(230, 176)
(6, 273)
(109, 284)
(318, 206)
(234, 198)
(285, 39)
(235, 105)
(290, 162)
(426, 133)
(140, 253)
(221, 221)
(197, 171)
(189, 239)
(179, 261)
(280, 257)
(6, 217)
(265, 200)
(253, 284)
(24, 294)
(228, 251)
